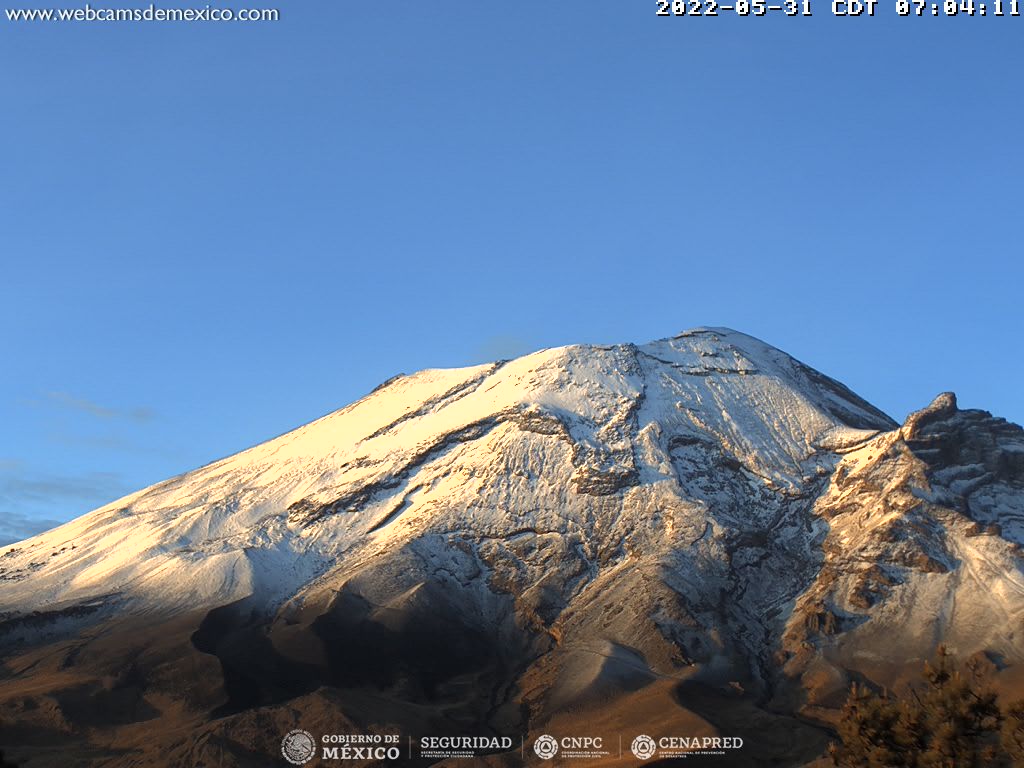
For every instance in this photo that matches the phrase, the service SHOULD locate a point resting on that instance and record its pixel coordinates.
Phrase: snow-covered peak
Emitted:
(578, 527)
(619, 411)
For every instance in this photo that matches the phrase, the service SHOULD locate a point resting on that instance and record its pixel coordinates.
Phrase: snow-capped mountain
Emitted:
(698, 533)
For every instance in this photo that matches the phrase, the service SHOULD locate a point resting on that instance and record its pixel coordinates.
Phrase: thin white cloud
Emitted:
(83, 405)
(17, 486)
(15, 526)
(32, 502)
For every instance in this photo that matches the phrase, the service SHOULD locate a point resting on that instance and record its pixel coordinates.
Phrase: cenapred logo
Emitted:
(298, 747)
(546, 747)
(643, 747)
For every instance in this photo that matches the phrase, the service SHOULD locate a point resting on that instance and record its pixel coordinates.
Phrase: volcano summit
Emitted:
(700, 536)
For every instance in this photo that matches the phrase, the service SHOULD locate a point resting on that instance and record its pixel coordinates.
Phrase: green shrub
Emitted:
(944, 721)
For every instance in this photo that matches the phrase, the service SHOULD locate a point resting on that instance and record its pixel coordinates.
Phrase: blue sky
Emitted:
(212, 233)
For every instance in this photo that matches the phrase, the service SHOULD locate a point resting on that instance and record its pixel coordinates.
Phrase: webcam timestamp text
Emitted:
(682, 8)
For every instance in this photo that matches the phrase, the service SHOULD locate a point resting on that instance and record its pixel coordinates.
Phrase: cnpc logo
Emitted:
(547, 746)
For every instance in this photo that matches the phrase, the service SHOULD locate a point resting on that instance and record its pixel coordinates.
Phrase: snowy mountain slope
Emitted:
(493, 547)
(924, 547)
(720, 387)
